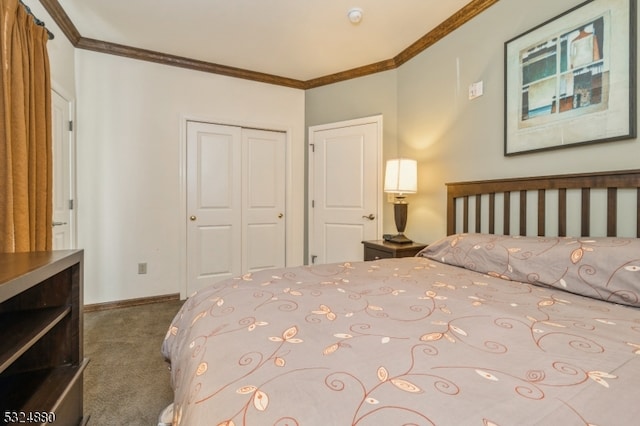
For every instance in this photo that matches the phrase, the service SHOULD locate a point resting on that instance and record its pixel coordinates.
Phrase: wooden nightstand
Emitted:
(381, 249)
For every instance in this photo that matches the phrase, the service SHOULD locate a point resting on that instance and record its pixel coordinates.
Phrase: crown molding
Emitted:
(468, 12)
(455, 21)
(389, 64)
(62, 19)
(182, 62)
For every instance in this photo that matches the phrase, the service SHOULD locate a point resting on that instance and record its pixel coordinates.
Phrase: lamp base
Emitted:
(400, 216)
(398, 239)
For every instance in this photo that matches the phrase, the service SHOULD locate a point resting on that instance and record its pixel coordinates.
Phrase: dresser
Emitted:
(41, 338)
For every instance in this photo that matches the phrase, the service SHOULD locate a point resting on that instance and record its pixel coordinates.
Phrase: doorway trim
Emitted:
(73, 195)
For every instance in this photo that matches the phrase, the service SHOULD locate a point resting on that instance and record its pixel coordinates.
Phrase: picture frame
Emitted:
(572, 79)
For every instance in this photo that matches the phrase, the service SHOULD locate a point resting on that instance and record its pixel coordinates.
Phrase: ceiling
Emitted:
(300, 40)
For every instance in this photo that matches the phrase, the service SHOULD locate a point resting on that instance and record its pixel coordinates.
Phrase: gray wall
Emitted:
(454, 138)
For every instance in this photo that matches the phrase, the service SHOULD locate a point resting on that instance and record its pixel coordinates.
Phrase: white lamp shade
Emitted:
(401, 176)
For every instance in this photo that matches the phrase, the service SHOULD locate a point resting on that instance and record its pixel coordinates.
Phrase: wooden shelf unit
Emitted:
(41, 338)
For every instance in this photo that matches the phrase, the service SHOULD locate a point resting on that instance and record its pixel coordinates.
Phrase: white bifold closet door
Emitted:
(235, 202)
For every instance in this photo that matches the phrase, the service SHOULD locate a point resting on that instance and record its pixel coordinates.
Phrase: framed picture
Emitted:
(572, 80)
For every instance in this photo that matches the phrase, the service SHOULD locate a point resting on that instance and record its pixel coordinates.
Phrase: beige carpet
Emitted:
(127, 379)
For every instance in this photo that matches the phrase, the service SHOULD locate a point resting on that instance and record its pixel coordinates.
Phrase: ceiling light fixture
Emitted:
(355, 15)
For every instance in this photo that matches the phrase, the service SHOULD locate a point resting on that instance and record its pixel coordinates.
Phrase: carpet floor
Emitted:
(127, 379)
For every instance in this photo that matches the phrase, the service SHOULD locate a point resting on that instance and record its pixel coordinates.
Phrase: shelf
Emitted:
(40, 390)
(21, 330)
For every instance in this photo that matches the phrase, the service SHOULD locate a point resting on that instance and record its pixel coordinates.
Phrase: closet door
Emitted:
(263, 199)
(236, 181)
(214, 203)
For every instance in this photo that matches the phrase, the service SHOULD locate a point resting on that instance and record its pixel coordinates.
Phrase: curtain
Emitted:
(26, 181)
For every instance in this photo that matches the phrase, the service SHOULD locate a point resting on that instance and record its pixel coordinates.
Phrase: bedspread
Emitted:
(400, 342)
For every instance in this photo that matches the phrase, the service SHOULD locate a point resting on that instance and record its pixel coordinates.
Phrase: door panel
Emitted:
(345, 190)
(344, 157)
(264, 199)
(335, 235)
(216, 246)
(260, 253)
(215, 163)
(213, 202)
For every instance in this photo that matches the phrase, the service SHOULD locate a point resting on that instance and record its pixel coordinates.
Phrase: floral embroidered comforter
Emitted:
(409, 341)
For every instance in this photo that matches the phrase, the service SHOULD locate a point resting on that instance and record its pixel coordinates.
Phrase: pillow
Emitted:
(606, 268)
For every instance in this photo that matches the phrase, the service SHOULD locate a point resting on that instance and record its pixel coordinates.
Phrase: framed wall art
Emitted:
(572, 80)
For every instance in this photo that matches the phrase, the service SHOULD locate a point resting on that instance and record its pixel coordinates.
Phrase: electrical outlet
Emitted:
(142, 268)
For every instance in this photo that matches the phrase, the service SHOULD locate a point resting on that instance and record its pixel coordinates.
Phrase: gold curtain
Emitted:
(26, 181)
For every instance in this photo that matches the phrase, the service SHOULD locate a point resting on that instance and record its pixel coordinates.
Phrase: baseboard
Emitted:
(131, 302)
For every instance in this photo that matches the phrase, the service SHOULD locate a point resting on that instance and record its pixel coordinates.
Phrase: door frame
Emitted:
(73, 226)
(290, 227)
(377, 120)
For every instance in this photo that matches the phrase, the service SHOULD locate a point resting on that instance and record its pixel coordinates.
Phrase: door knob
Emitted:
(192, 218)
(58, 223)
(370, 217)
(280, 216)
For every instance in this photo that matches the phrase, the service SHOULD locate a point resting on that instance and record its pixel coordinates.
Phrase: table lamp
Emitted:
(401, 177)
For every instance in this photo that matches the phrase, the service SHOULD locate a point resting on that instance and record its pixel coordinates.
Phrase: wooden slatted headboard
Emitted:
(460, 193)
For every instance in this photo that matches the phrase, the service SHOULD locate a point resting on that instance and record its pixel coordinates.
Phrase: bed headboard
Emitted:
(541, 190)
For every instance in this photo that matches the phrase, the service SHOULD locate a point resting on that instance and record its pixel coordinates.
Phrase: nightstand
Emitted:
(381, 249)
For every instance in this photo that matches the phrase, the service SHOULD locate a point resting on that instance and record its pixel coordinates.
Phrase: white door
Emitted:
(263, 199)
(63, 214)
(235, 202)
(345, 189)
(214, 157)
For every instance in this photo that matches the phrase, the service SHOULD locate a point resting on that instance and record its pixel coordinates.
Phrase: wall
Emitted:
(455, 139)
(130, 166)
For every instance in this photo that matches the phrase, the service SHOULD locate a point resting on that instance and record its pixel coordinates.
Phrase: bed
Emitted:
(480, 328)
